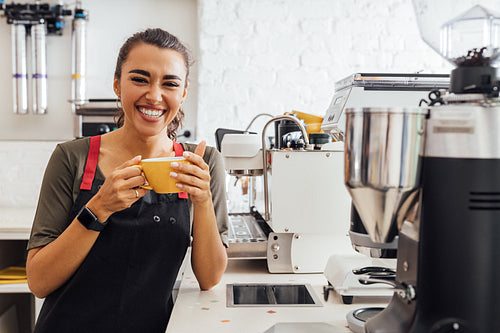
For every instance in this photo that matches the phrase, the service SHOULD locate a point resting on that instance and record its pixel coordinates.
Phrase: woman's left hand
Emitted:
(194, 178)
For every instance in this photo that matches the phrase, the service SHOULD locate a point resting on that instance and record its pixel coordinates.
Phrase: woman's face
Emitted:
(152, 88)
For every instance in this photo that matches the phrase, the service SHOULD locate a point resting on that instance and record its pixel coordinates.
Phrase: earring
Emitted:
(119, 104)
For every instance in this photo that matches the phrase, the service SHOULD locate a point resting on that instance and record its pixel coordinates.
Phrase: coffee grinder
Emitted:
(374, 259)
(445, 173)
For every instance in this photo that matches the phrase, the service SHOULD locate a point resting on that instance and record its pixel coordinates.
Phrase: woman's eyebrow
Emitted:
(171, 77)
(146, 73)
(140, 71)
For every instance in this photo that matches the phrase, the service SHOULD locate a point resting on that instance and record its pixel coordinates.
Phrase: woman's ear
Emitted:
(185, 92)
(116, 87)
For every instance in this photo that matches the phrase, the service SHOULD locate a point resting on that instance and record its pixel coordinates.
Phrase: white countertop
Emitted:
(206, 311)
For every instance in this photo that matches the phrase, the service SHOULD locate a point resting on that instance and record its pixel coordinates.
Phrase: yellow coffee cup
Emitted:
(157, 173)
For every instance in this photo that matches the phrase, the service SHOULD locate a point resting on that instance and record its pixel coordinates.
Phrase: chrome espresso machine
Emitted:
(434, 172)
(300, 185)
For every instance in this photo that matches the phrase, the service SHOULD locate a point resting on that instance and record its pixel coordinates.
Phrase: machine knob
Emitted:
(103, 128)
(275, 247)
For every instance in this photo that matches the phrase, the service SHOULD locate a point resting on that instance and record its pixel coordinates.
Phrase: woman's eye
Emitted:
(139, 80)
(171, 84)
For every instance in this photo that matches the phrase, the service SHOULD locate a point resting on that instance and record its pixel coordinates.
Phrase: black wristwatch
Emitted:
(89, 220)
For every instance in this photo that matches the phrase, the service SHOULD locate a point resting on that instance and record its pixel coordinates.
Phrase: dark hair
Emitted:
(162, 39)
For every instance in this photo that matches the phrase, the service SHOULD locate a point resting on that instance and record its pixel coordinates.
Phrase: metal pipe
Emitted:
(39, 69)
(257, 116)
(264, 155)
(19, 73)
(251, 191)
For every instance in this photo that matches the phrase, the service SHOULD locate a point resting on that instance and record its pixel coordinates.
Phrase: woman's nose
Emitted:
(154, 93)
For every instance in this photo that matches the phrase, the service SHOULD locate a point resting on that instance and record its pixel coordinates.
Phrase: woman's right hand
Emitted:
(119, 191)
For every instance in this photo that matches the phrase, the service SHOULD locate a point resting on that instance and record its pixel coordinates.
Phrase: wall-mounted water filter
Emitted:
(30, 25)
(19, 70)
(78, 61)
(39, 69)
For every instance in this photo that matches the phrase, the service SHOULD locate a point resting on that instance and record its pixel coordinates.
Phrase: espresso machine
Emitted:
(433, 172)
(300, 185)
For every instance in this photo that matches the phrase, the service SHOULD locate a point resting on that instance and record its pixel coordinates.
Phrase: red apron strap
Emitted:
(91, 165)
(178, 152)
(178, 149)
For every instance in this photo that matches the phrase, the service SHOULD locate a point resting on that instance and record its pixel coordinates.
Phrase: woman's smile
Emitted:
(151, 114)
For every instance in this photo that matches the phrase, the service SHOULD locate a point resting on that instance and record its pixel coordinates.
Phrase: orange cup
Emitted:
(157, 173)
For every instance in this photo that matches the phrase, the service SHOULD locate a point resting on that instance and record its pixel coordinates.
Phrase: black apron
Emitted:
(125, 282)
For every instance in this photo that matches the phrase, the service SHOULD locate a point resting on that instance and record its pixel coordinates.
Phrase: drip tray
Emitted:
(263, 294)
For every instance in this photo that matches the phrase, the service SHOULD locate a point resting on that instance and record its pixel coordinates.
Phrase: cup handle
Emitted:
(146, 187)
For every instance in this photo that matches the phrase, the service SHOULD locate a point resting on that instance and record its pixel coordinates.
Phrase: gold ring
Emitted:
(136, 194)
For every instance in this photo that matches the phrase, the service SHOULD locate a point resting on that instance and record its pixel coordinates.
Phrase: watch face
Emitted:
(89, 220)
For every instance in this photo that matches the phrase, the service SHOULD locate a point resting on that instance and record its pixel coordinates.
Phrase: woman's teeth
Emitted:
(151, 113)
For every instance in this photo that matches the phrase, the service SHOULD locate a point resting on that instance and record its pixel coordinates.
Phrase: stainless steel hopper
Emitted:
(382, 165)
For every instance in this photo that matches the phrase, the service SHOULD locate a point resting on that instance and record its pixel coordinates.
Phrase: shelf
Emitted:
(14, 235)
(15, 229)
(15, 288)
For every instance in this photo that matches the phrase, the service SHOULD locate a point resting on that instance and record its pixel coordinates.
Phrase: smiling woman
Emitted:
(165, 41)
(152, 88)
(104, 250)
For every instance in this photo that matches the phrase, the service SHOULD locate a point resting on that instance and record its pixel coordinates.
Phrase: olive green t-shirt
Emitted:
(61, 186)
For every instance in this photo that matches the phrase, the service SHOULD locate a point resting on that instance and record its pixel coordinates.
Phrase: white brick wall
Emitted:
(21, 170)
(275, 56)
(267, 56)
